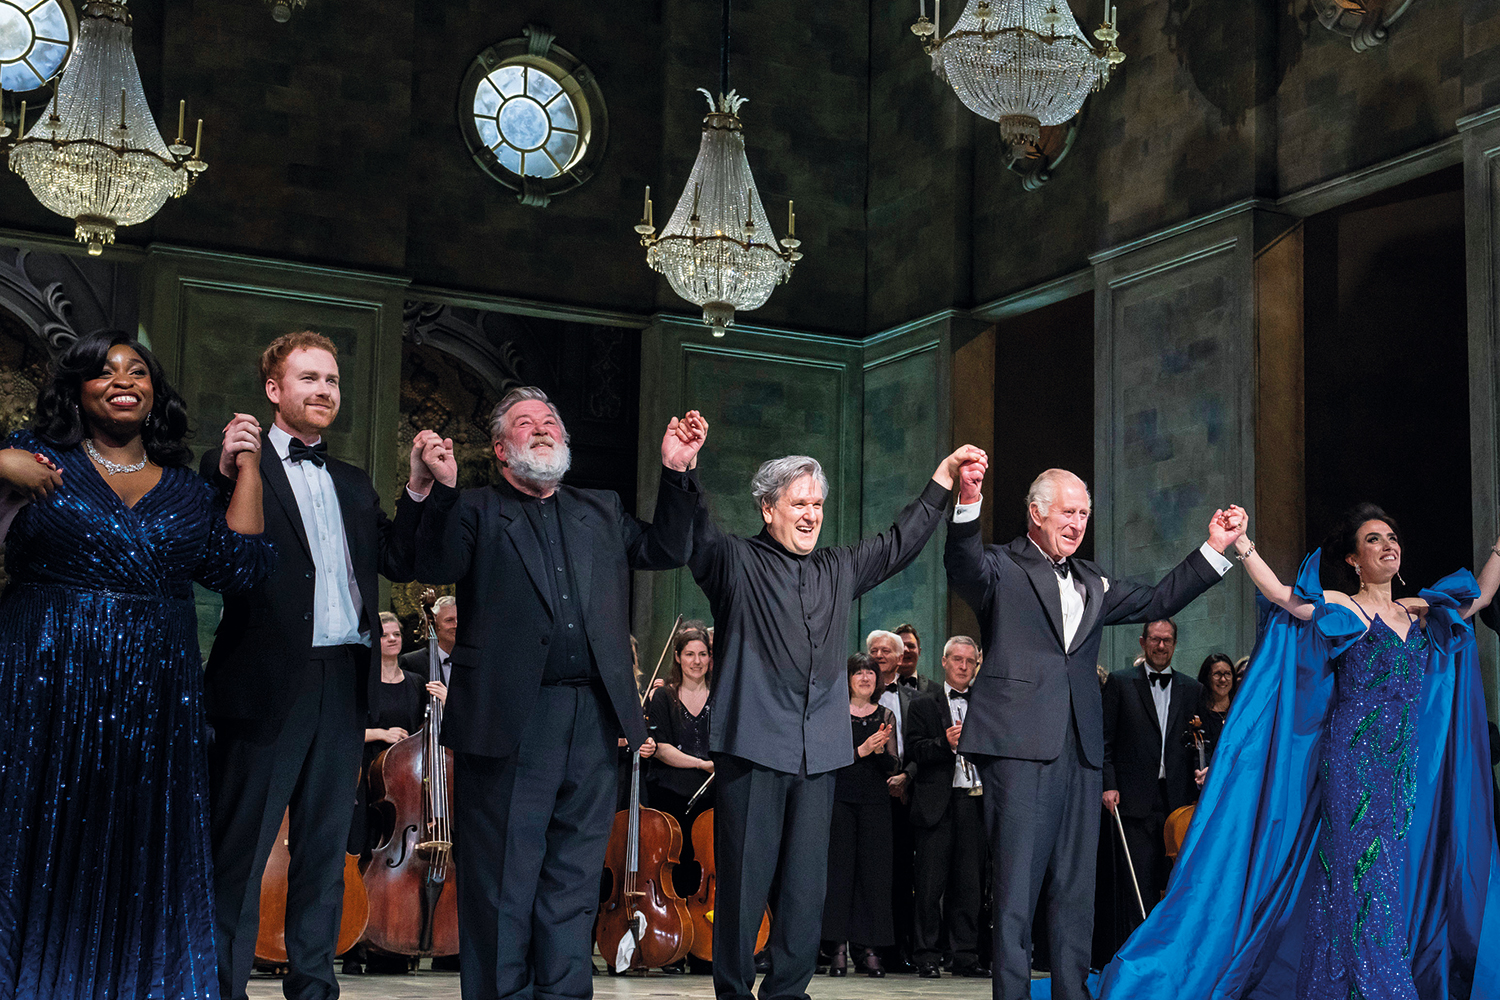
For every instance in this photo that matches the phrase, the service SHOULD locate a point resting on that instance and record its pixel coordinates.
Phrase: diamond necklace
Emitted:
(113, 468)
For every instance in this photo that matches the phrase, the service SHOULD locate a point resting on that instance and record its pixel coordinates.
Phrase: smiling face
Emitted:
(306, 393)
(533, 448)
(1221, 679)
(911, 653)
(862, 684)
(120, 397)
(390, 639)
(1158, 644)
(1060, 530)
(796, 519)
(1377, 553)
(445, 624)
(694, 660)
(887, 656)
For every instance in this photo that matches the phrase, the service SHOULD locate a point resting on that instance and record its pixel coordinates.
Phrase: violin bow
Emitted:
(1120, 825)
(661, 659)
(698, 794)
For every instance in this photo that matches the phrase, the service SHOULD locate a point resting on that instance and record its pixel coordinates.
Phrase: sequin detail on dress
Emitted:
(1355, 945)
(104, 868)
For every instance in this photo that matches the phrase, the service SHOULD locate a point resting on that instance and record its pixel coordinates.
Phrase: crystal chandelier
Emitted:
(1022, 63)
(96, 156)
(281, 10)
(717, 250)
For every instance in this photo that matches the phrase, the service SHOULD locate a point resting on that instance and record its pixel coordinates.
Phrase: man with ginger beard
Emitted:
(1035, 728)
(542, 689)
(781, 705)
(287, 681)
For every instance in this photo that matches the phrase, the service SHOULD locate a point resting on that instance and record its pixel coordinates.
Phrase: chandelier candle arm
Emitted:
(181, 120)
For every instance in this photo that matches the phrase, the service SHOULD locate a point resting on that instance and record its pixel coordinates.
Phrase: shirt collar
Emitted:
(949, 689)
(282, 441)
(1152, 673)
(1049, 559)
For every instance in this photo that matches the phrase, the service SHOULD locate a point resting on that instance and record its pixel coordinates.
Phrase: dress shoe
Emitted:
(839, 966)
(927, 970)
(675, 969)
(871, 965)
(974, 971)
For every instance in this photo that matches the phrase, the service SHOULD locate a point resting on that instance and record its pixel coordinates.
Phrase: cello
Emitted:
(270, 940)
(1176, 826)
(701, 903)
(643, 923)
(411, 880)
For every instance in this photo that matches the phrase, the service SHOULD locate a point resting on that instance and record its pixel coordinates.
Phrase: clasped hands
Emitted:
(241, 445)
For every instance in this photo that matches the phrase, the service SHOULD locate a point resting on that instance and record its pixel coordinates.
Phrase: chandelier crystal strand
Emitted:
(717, 250)
(1021, 63)
(95, 154)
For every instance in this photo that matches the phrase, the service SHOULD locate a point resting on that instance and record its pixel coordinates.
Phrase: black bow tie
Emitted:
(1061, 568)
(893, 687)
(1163, 677)
(958, 694)
(317, 454)
(908, 681)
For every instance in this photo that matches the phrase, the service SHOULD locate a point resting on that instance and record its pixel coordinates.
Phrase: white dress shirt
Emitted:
(336, 597)
(1070, 589)
(964, 774)
(1162, 698)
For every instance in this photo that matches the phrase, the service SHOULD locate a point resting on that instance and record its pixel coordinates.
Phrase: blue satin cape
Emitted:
(1231, 923)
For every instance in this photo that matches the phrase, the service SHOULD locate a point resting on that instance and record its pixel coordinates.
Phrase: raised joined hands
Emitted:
(431, 461)
(949, 471)
(683, 440)
(1226, 527)
(241, 445)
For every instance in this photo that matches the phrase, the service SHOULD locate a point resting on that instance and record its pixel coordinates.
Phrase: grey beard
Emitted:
(544, 472)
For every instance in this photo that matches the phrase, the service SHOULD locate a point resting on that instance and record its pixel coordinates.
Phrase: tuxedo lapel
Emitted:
(578, 538)
(273, 477)
(1043, 581)
(528, 547)
(1148, 704)
(1093, 605)
(1180, 710)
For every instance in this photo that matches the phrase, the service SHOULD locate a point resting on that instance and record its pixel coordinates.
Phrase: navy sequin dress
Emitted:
(104, 857)
(1356, 943)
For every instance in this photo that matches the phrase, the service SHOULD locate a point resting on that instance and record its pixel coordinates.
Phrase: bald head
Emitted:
(1057, 507)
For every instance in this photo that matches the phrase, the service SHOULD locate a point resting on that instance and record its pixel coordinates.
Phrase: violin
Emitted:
(701, 903)
(643, 923)
(270, 941)
(411, 880)
(1177, 824)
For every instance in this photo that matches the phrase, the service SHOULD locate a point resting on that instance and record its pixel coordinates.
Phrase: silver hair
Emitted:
(960, 640)
(1043, 490)
(446, 601)
(881, 633)
(772, 478)
(522, 394)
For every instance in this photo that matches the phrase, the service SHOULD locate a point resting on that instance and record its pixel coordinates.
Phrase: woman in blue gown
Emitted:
(1342, 848)
(104, 859)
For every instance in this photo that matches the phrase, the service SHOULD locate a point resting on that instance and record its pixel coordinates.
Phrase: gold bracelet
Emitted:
(1248, 553)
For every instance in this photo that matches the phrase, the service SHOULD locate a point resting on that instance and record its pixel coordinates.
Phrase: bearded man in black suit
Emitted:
(1035, 724)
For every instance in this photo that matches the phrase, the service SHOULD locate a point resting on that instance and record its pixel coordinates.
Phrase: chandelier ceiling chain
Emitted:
(97, 159)
(717, 250)
(1021, 63)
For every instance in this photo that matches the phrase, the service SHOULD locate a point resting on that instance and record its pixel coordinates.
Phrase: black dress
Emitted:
(402, 705)
(671, 724)
(1213, 726)
(857, 906)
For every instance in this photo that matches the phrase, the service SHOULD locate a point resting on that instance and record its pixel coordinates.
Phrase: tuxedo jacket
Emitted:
(482, 540)
(905, 696)
(933, 760)
(417, 662)
(264, 639)
(1019, 702)
(1133, 741)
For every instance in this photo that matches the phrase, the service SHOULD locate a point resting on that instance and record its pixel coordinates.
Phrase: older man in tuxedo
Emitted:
(1035, 722)
(1148, 769)
(542, 689)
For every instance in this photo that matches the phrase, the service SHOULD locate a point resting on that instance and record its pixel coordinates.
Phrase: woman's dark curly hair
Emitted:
(1343, 540)
(59, 419)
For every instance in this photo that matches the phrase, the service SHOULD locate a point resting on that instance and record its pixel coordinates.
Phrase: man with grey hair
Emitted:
(1035, 723)
(781, 705)
(542, 689)
(445, 624)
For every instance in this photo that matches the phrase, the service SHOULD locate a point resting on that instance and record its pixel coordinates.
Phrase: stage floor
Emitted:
(444, 986)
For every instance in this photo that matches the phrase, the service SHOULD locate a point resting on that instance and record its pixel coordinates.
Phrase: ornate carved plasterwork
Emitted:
(1365, 23)
(498, 362)
(45, 311)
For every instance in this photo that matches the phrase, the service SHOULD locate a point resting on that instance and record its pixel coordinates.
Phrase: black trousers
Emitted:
(1148, 852)
(903, 876)
(762, 817)
(529, 836)
(857, 903)
(1042, 818)
(307, 763)
(950, 862)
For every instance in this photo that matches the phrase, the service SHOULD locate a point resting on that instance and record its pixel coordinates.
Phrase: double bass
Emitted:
(643, 923)
(411, 880)
(1176, 826)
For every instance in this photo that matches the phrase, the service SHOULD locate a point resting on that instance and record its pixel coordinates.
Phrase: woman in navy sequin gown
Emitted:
(1349, 825)
(104, 851)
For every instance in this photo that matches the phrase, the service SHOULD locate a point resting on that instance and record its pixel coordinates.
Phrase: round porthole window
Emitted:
(36, 37)
(533, 117)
